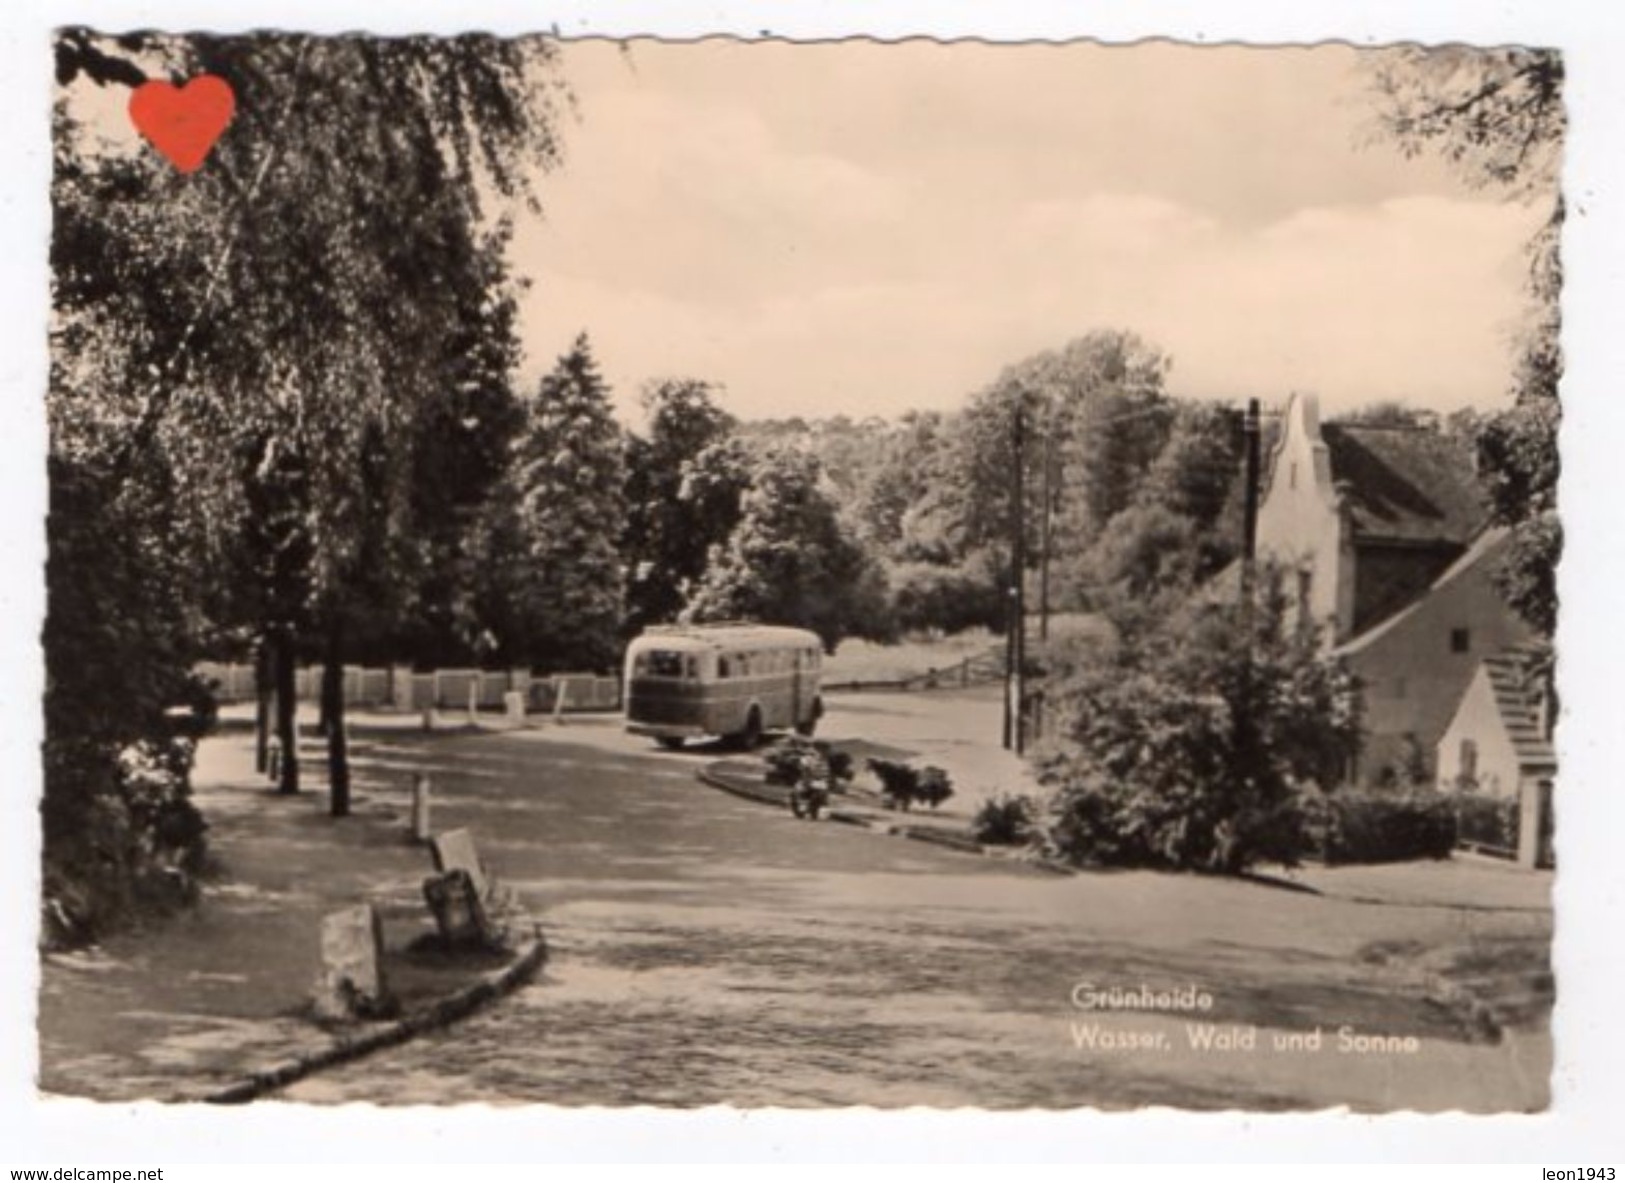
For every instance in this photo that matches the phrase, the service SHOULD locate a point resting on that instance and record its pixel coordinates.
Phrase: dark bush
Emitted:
(1006, 820)
(1352, 826)
(897, 782)
(931, 598)
(121, 837)
(841, 770)
(904, 786)
(933, 787)
(794, 761)
(1487, 821)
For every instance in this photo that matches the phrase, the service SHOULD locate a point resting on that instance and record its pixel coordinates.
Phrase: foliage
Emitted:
(683, 487)
(1006, 820)
(790, 560)
(122, 712)
(563, 596)
(1188, 743)
(1176, 532)
(1495, 114)
(270, 335)
(1352, 826)
(841, 770)
(926, 597)
(794, 760)
(1487, 821)
(1498, 117)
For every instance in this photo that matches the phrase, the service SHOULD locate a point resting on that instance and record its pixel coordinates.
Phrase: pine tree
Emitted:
(569, 507)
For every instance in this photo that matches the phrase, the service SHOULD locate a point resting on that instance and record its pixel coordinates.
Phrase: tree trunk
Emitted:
(338, 753)
(262, 704)
(287, 727)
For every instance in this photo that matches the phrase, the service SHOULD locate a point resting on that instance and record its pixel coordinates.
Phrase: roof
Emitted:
(1520, 709)
(1411, 485)
(1486, 546)
(731, 633)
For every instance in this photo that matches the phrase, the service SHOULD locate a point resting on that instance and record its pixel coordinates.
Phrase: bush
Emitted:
(933, 786)
(1006, 820)
(903, 785)
(1352, 826)
(1190, 743)
(121, 837)
(795, 761)
(840, 766)
(1487, 821)
(929, 598)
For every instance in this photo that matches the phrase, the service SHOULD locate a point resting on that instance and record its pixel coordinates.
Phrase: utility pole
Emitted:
(1044, 540)
(1015, 653)
(1249, 541)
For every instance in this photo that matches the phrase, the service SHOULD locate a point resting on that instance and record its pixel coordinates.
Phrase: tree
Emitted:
(668, 536)
(1497, 116)
(462, 442)
(1175, 533)
(568, 498)
(272, 303)
(1193, 741)
(789, 561)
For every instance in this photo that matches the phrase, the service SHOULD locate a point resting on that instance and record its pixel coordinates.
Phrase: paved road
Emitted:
(711, 950)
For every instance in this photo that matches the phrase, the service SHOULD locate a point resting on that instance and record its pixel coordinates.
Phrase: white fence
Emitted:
(400, 688)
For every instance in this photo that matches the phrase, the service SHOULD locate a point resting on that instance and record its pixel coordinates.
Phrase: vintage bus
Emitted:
(736, 681)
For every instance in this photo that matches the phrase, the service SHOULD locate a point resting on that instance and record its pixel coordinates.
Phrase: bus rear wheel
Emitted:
(807, 726)
(751, 736)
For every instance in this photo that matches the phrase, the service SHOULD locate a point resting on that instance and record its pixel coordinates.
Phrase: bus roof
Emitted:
(732, 635)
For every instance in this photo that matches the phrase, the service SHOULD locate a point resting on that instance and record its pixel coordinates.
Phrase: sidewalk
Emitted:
(216, 994)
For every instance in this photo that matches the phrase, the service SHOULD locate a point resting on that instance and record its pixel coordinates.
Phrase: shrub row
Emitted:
(1361, 826)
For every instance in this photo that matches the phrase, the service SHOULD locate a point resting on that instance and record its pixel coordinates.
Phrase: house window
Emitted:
(1467, 774)
(1461, 640)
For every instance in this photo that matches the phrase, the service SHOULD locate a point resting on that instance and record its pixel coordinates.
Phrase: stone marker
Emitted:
(352, 981)
(454, 851)
(420, 807)
(459, 913)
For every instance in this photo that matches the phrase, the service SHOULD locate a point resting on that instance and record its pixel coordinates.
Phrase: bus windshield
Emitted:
(664, 663)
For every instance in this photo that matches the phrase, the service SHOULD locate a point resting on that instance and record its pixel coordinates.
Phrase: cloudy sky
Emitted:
(859, 228)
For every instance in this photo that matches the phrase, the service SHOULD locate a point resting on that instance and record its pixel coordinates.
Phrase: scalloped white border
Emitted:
(1589, 1084)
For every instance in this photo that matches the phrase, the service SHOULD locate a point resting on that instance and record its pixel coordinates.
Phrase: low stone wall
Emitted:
(403, 689)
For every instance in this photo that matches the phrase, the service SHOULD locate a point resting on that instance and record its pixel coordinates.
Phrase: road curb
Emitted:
(934, 835)
(728, 784)
(488, 989)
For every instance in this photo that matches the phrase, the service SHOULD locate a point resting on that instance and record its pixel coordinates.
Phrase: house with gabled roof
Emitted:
(1387, 535)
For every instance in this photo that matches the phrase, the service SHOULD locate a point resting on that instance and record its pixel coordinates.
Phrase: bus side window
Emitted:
(691, 669)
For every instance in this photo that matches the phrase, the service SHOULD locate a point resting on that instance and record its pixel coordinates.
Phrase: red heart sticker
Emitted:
(183, 122)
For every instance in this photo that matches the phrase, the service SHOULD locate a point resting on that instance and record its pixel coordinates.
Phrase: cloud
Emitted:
(722, 223)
